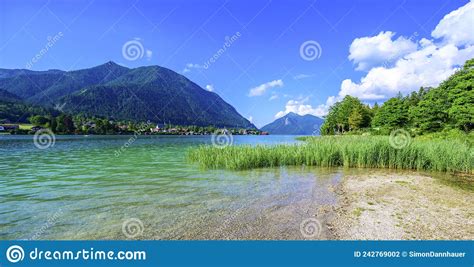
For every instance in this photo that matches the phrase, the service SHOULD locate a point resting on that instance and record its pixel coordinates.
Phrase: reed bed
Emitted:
(348, 151)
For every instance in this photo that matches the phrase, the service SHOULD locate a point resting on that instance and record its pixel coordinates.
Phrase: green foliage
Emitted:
(39, 120)
(349, 114)
(450, 105)
(14, 110)
(461, 97)
(431, 113)
(359, 118)
(347, 151)
(392, 115)
(451, 134)
(67, 123)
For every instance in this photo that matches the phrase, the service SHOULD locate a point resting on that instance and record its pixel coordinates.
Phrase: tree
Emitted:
(430, 114)
(39, 120)
(53, 124)
(392, 115)
(64, 124)
(450, 105)
(461, 97)
(355, 119)
(346, 115)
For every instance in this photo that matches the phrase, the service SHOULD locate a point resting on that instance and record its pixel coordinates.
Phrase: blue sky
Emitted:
(353, 38)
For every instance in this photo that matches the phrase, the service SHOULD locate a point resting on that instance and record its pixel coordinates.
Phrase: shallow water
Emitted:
(80, 188)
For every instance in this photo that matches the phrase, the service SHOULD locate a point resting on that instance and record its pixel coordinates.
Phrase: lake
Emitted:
(81, 188)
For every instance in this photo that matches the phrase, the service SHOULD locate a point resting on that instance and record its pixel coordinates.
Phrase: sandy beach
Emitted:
(402, 207)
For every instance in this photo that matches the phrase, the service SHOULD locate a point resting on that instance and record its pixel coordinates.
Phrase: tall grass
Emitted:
(347, 151)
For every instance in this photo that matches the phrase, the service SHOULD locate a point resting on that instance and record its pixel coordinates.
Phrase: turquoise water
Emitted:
(81, 188)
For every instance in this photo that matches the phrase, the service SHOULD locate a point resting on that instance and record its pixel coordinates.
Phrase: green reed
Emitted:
(347, 151)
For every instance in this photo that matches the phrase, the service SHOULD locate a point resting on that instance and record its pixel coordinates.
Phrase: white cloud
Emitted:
(426, 67)
(457, 27)
(301, 107)
(367, 52)
(261, 89)
(431, 63)
(191, 66)
(250, 118)
(210, 88)
(302, 76)
(273, 97)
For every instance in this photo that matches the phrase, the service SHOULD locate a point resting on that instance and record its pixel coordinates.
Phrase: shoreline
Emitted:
(402, 207)
(133, 134)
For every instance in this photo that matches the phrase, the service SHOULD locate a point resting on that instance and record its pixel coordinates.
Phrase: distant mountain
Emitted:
(295, 124)
(7, 73)
(146, 93)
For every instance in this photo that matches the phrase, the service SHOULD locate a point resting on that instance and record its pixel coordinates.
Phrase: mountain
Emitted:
(295, 124)
(6, 96)
(146, 93)
(45, 87)
(13, 109)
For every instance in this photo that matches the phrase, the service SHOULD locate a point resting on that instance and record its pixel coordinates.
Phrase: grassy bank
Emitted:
(347, 151)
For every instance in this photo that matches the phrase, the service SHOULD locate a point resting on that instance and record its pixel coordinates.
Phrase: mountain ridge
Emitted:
(144, 93)
(294, 124)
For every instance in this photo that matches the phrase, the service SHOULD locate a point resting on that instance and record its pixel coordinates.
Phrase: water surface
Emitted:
(81, 188)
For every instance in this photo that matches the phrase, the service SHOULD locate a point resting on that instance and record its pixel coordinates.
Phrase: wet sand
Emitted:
(402, 207)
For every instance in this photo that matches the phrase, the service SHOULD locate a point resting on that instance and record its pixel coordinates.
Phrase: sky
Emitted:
(264, 57)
